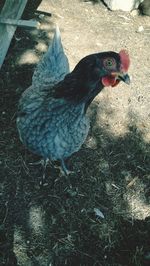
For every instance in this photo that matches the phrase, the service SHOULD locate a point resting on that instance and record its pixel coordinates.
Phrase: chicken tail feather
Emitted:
(54, 65)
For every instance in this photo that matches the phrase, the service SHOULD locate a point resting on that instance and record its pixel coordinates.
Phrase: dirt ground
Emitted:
(100, 215)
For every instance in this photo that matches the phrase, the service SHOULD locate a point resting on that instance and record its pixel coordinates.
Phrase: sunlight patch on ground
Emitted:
(41, 47)
(20, 248)
(45, 27)
(143, 126)
(28, 57)
(116, 114)
(113, 124)
(112, 113)
(36, 220)
(138, 207)
(91, 143)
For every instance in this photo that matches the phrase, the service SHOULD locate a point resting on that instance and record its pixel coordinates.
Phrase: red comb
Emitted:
(125, 60)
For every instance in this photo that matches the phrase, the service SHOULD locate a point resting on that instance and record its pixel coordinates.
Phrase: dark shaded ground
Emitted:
(56, 224)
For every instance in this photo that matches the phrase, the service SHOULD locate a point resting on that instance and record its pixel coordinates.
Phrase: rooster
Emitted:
(52, 119)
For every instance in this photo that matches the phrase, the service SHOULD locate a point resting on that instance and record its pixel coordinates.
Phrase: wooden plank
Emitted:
(43, 13)
(12, 9)
(20, 23)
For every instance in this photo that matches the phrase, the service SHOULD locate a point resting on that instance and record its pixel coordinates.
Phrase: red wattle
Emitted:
(109, 81)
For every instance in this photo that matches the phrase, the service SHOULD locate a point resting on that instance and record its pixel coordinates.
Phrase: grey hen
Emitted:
(52, 119)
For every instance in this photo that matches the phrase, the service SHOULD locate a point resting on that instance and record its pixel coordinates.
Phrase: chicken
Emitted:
(52, 120)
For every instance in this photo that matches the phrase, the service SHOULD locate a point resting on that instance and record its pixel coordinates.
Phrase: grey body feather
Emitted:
(50, 127)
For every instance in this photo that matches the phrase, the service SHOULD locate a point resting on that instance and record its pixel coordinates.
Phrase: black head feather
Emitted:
(84, 82)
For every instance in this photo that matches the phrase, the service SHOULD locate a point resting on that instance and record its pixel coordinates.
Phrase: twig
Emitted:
(6, 213)
(131, 183)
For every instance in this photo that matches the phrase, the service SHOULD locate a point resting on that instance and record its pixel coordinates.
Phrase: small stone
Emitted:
(98, 213)
(140, 29)
(134, 13)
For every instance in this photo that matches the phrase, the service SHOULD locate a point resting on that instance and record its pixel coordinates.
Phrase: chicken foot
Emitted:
(64, 169)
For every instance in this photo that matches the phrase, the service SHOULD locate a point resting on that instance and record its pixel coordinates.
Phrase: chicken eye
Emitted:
(109, 63)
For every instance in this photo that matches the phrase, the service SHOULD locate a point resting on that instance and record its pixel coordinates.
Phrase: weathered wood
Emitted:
(12, 9)
(43, 13)
(20, 23)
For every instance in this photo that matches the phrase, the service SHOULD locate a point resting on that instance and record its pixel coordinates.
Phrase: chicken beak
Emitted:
(125, 78)
(122, 76)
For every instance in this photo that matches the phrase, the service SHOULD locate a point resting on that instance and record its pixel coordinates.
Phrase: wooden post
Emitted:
(12, 9)
(20, 23)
